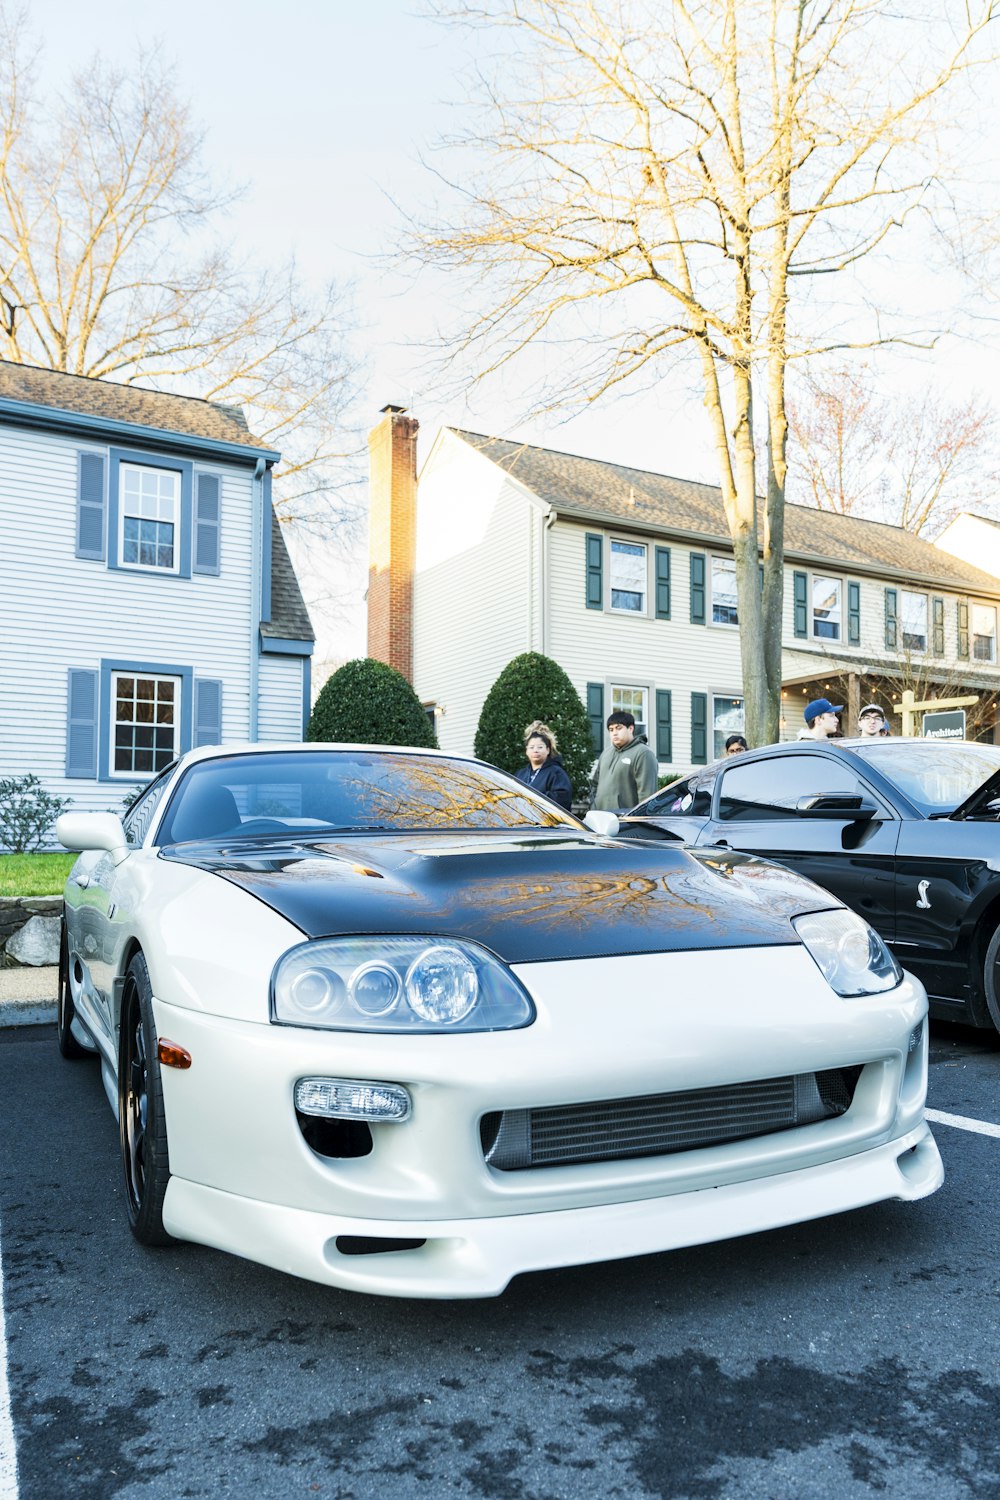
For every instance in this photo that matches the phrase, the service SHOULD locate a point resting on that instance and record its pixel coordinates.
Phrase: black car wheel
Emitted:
(65, 1009)
(142, 1127)
(991, 978)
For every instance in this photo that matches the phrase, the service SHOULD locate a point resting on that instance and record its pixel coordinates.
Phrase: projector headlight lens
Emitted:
(398, 984)
(852, 957)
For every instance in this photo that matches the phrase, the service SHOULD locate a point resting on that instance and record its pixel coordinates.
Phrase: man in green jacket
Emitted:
(626, 772)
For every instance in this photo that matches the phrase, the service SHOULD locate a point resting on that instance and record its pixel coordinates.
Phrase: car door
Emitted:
(756, 811)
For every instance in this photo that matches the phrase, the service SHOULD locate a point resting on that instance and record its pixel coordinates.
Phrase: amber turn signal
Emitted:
(171, 1055)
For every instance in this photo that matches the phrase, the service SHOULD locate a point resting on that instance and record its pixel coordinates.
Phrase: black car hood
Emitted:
(527, 898)
(988, 792)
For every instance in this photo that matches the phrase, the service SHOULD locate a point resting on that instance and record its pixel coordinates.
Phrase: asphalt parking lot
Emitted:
(852, 1355)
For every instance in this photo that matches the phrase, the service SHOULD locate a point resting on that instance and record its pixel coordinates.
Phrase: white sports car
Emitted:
(388, 1020)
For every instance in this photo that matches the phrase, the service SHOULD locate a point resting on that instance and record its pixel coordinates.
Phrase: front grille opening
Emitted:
(358, 1244)
(662, 1124)
(337, 1139)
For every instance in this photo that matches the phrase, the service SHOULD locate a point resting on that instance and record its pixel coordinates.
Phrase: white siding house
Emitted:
(625, 578)
(146, 596)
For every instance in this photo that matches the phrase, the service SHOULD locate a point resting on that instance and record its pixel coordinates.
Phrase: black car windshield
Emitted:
(310, 793)
(936, 777)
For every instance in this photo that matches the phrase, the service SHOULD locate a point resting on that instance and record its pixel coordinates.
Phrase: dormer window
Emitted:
(149, 517)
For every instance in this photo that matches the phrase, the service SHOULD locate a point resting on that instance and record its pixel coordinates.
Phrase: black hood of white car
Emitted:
(531, 897)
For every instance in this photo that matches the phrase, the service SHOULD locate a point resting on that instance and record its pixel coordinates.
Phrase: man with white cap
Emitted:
(822, 721)
(871, 721)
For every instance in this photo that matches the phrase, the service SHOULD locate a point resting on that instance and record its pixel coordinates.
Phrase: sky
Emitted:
(324, 109)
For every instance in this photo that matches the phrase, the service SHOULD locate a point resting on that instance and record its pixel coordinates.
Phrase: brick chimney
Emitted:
(392, 512)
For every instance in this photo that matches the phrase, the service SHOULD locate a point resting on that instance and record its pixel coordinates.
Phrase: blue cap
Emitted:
(820, 706)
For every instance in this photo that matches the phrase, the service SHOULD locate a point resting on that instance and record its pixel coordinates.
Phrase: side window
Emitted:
(766, 790)
(691, 798)
(139, 816)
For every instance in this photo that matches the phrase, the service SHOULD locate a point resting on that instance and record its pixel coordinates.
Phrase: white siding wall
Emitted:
(59, 611)
(474, 606)
(280, 713)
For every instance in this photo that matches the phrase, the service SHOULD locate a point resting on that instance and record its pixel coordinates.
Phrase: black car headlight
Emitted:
(851, 956)
(401, 984)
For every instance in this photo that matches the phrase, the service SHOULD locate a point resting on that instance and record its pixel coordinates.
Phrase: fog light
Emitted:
(352, 1099)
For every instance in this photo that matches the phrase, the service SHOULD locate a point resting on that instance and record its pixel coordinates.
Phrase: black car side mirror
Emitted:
(842, 805)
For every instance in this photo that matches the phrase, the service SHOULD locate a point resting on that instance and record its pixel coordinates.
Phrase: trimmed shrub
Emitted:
(27, 812)
(367, 702)
(531, 687)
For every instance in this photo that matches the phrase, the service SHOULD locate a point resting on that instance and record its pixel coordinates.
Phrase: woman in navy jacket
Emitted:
(545, 771)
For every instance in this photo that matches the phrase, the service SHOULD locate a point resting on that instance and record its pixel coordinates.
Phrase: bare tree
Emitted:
(109, 267)
(912, 461)
(678, 180)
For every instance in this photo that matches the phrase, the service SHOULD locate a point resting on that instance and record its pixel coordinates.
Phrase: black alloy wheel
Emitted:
(65, 1009)
(991, 978)
(142, 1127)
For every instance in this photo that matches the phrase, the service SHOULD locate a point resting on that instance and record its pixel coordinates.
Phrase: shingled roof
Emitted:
(289, 616)
(103, 400)
(609, 494)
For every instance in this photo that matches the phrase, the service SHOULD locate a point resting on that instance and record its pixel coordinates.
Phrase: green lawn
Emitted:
(34, 874)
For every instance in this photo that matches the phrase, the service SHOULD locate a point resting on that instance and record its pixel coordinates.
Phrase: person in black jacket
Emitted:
(545, 771)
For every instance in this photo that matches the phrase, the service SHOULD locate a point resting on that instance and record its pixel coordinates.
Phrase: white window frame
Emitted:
(975, 635)
(631, 687)
(727, 698)
(174, 520)
(634, 614)
(727, 562)
(154, 770)
(912, 594)
(839, 638)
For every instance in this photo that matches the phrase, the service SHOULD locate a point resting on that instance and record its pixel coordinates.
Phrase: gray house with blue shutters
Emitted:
(627, 579)
(147, 598)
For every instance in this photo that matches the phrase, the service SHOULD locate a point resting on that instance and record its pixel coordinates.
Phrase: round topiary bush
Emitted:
(367, 702)
(531, 687)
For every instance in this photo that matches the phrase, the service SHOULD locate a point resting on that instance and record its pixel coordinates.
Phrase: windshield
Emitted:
(937, 777)
(314, 792)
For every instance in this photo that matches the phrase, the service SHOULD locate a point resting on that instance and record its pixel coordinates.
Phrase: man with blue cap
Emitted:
(822, 721)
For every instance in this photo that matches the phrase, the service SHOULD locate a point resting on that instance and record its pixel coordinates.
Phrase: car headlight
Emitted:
(407, 984)
(851, 956)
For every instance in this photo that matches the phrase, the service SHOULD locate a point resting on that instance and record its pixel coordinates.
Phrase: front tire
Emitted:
(991, 978)
(142, 1127)
(65, 1009)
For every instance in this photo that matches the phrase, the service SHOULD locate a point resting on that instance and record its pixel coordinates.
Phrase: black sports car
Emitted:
(903, 830)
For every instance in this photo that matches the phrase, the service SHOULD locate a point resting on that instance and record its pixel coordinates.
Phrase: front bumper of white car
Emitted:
(425, 1213)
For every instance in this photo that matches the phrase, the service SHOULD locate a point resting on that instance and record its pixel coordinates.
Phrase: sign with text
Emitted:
(945, 726)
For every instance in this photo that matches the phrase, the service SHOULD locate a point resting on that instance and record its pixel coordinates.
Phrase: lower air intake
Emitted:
(659, 1124)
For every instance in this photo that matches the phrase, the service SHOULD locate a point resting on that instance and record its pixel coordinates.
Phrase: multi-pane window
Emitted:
(628, 576)
(727, 719)
(150, 501)
(724, 611)
(632, 700)
(146, 720)
(913, 618)
(984, 632)
(827, 614)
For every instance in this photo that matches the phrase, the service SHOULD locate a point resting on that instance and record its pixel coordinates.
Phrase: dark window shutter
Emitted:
(800, 595)
(91, 507)
(595, 713)
(697, 588)
(663, 583)
(207, 517)
(207, 712)
(664, 726)
(937, 626)
(891, 625)
(81, 724)
(699, 728)
(963, 629)
(853, 613)
(595, 571)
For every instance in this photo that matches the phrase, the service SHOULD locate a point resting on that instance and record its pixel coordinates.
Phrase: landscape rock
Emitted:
(36, 943)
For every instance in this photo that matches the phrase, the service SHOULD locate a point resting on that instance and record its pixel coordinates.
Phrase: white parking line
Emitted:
(8, 1453)
(962, 1122)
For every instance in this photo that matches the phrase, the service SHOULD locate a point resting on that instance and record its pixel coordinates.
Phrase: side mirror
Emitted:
(82, 831)
(841, 805)
(604, 823)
